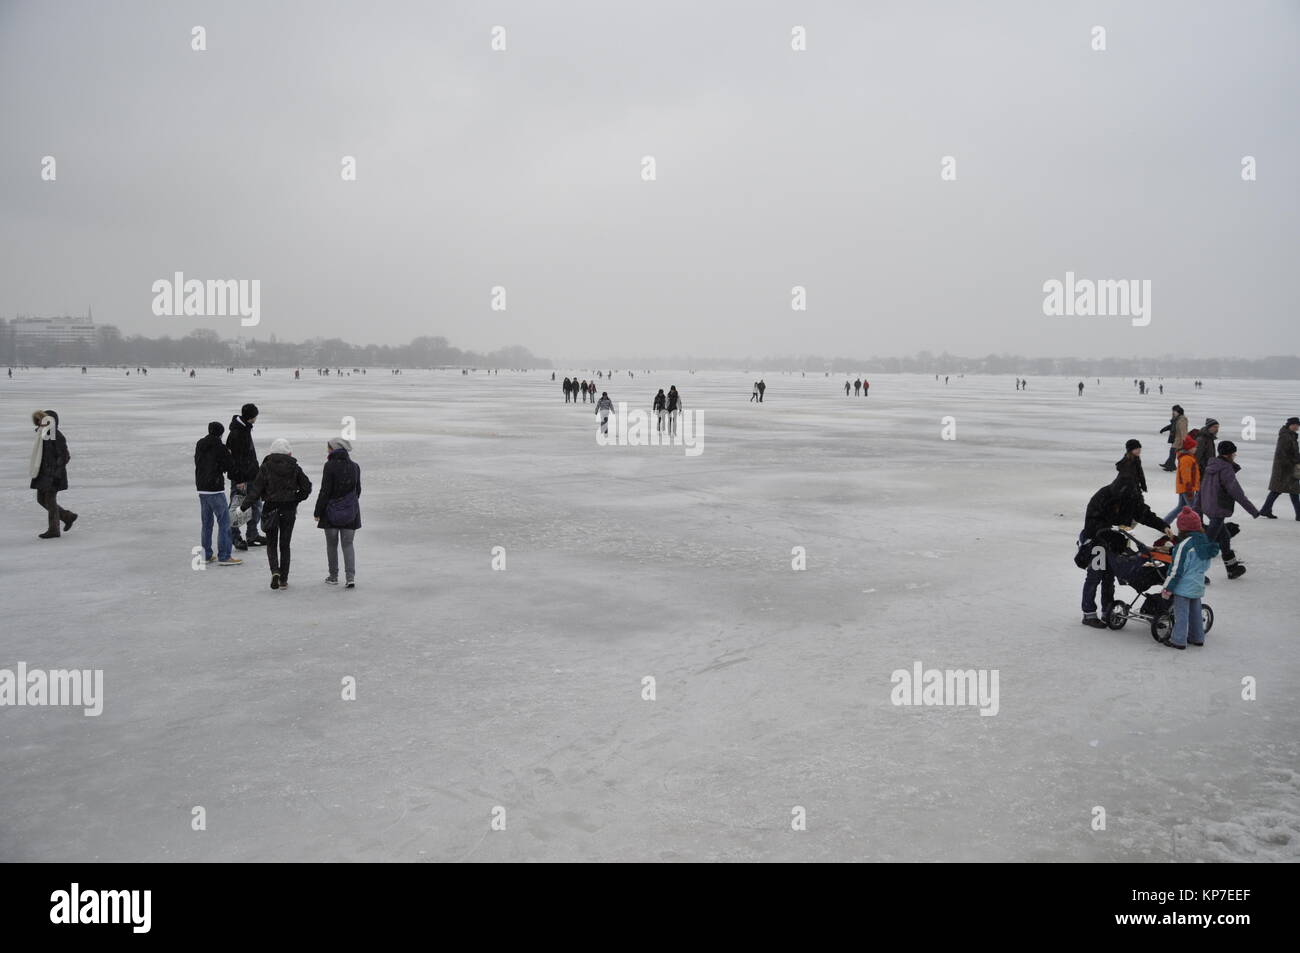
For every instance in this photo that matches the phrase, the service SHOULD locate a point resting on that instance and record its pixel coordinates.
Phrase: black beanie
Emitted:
(1227, 447)
(1132, 445)
(248, 411)
(1292, 420)
(215, 428)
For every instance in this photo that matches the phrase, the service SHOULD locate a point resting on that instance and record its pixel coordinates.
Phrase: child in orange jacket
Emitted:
(1187, 479)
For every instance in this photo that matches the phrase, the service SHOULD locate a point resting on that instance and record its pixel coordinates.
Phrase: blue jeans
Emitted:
(1184, 499)
(254, 517)
(1187, 622)
(213, 506)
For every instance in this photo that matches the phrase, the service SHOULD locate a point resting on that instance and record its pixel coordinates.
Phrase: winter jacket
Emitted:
(674, 399)
(1285, 458)
(279, 480)
(1219, 488)
(340, 476)
(1179, 433)
(1188, 477)
(53, 472)
(660, 401)
(1117, 504)
(211, 464)
(1205, 451)
(1192, 558)
(605, 405)
(243, 455)
(1130, 468)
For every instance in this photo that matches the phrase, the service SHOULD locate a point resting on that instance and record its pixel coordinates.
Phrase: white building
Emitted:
(44, 332)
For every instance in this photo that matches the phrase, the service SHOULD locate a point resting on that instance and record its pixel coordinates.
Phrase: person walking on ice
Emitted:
(49, 470)
(338, 510)
(281, 485)
(1185, 581)
(1220, 492)
(1080, 388)
(1285, 477)
(674, 408)
(660, 406)
(605, 407)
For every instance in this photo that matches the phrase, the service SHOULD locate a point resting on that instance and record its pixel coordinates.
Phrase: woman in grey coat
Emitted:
(1286, 469)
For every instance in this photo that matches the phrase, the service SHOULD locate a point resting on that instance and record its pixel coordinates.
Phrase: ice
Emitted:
(523, 689)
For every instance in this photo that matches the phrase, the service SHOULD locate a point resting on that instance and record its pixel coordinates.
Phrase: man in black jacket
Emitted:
(1118, 503)
(243, 468)
(1206, 444)
(211, 464)
(49, 472)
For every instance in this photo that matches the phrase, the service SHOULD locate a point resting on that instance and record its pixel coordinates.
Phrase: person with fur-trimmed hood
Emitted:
(1285, 477)
(1220, 492)
(243, 468)
(282, 485)
(49, 472)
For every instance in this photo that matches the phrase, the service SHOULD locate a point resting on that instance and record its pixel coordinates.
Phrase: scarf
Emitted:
(47, 426)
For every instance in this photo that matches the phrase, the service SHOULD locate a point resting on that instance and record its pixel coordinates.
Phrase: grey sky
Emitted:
(775, 168)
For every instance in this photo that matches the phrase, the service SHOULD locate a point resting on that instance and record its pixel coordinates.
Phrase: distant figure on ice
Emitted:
(866, 388)
(945, 380)
(1162, 390)
(568, 388)
(1285, 477)
(762, 389)
(1205, 451)
(604, 408)
(244, 467)
(552, 375)
(281, 485)
(1220, 492)
(674, 408)
(1142, 387)
(1080, 388)
(296, 374)
(338, 510)
(49, 472)
(846, 388)
(660, 406)
(211, 464)
(753, 397)
(857, 387)
(1177, 430)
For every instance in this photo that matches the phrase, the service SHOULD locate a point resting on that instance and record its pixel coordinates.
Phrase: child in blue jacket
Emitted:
(1186, 580)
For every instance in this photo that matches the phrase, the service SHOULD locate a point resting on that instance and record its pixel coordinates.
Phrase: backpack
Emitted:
(341, 511)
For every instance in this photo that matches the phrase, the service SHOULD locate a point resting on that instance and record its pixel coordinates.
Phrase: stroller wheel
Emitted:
(1162, 626)
(1207, 618)
(1118, 617)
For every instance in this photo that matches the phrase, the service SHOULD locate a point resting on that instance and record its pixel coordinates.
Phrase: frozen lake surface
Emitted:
(522, 689)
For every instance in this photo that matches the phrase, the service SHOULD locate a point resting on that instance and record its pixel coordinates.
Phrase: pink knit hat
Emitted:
(1188, 521)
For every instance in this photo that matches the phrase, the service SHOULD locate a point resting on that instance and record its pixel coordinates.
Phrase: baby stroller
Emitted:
(1144, 570)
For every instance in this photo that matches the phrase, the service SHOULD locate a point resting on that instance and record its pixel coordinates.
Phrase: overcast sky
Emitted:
(775, 168)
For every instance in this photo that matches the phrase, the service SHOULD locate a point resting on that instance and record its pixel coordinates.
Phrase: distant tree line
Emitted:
(203, 347)
(1283, 367)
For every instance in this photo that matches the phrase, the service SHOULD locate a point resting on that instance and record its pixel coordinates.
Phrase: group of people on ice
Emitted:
(1198, 527)
(264, 494)
(574, 387)
(860, 386)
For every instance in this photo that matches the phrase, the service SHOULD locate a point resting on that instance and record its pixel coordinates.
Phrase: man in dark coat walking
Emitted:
(243, 468)
(211, 464)
(1205, 444)
(1285, 477)
(49, 471)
